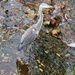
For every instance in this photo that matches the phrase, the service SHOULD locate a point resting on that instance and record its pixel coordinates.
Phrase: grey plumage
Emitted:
(31, 33)
(28, 37)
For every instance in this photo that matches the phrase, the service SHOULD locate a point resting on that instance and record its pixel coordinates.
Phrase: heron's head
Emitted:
(44, 5)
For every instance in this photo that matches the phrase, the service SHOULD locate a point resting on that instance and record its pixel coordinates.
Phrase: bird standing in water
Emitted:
(31, 33)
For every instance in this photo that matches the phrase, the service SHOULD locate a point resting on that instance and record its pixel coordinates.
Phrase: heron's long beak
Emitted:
(48, 6)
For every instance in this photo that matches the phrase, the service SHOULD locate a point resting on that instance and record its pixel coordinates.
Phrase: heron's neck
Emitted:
(40, 21)
(40, 11)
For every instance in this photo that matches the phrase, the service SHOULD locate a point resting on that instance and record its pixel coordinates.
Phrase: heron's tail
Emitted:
(20, 47)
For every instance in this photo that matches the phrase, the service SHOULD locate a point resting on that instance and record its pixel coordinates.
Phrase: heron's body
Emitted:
(31, 33)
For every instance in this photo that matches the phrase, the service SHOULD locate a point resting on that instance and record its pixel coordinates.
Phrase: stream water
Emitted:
(48, 55)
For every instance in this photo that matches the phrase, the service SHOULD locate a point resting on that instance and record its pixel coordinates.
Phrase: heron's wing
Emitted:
(26, 34)
(29, 40)
(28, 37)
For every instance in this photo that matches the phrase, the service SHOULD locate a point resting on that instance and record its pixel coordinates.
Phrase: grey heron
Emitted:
(31, 33)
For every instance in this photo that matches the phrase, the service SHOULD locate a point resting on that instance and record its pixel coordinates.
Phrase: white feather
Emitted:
(71, 44)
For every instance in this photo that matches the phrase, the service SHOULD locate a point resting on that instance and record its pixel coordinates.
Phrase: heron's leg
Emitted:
(31, 54)
(26, 52)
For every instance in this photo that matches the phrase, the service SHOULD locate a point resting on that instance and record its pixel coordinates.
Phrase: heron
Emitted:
(32, 32)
